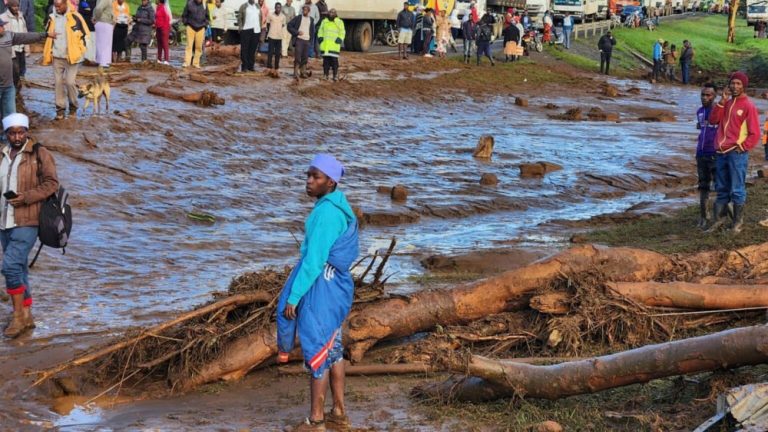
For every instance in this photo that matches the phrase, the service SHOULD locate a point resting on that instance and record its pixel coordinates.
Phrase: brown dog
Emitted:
(94, 91)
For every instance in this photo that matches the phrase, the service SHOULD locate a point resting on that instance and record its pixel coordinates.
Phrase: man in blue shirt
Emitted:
(318, 295)
(567, 30)
(705, 151)
(657, 60)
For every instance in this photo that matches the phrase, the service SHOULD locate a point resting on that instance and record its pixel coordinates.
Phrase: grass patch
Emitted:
(707, 34)
(677, 232)
(573, 59)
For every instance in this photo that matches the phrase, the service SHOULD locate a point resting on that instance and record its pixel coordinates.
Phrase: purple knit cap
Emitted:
(329, 166)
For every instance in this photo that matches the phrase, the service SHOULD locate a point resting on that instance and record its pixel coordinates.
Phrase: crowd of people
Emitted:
(666, 56)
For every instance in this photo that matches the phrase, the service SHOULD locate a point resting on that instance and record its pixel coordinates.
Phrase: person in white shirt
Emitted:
(289, 12)
(567, 30)
(16, 24)
(219, 16)
(249, 23)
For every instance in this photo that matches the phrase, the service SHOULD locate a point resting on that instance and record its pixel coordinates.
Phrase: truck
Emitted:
(757, 10)
(582, 10)
(362, 18)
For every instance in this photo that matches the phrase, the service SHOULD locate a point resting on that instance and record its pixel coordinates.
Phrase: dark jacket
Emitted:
(28, 10)
(195, 15)
(85, 8)
(322, 7)
(7, 41)
(687, 55)
(606, 43)
(469, 30)
(511, 34)
(143, 21)
(29, 183)
(405, 19)
(484, 32)
(293, 26)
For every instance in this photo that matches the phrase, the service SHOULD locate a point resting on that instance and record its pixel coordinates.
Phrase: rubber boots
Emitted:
(720, 215)
(738, 218)
(704, 214)
(18, 323)
(296, 71)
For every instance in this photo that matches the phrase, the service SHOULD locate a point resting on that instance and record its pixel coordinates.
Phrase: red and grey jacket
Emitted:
(738, 125)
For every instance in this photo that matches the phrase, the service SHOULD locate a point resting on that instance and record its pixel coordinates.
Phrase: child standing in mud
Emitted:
(318, 295)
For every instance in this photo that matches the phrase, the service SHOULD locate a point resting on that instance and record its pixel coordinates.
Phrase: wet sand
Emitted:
(137, 258)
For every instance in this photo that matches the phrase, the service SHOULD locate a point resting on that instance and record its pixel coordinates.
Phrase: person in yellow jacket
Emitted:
(765, 136)
(65, 51)
(331, 37)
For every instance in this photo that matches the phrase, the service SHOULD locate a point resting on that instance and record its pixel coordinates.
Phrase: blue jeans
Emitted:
(567, 37)
(685, 68)
(7, 100)
(731, 177)
(17, 243)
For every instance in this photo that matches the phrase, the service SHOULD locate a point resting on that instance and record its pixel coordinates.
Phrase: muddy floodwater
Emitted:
(136, 256)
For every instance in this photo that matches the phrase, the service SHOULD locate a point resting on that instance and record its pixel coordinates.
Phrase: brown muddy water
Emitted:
(136, 257)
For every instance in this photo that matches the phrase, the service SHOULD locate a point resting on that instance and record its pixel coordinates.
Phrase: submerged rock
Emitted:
(399, 193)
(537, 169)
(489, 179)
(521, 102)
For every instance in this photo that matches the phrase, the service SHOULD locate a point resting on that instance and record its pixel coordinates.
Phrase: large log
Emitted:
(398, 317)
(404, 316)
(204, 98)
(694, 296)
(719, 351)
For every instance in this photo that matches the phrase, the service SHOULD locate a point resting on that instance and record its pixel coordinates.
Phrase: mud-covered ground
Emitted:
(137, 174)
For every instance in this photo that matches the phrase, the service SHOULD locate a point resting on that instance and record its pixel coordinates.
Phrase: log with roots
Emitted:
(719, 351)
(694, 296)
(404, 316)
(223, 50)
(203, 98)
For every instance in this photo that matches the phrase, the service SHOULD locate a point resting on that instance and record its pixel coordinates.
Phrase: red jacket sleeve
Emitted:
(753, 128)
(716, 115)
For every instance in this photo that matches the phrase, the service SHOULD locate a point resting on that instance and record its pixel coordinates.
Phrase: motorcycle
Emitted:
(174, 34)
(387, 34)
(532, 41)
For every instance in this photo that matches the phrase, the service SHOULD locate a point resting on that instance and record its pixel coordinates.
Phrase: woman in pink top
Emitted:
(162, 30)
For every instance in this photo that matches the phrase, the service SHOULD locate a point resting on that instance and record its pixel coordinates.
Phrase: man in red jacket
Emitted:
(738, 132)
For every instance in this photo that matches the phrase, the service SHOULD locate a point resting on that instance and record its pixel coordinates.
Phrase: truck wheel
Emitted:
(362, 37)
(349, 44)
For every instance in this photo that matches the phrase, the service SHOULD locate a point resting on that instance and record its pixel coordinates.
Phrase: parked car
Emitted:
(631, 10)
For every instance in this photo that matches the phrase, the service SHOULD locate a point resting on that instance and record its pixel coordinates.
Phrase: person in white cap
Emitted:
(27, 178)
(8, 42)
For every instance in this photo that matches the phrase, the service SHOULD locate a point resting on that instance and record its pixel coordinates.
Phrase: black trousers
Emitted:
(249, 43)
(19, 68)
(275, 50)
(705, 168)
(605, 62)
(217, 35)
(301, 52)
(329, 63)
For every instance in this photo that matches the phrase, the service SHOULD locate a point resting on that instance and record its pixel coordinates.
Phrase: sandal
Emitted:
(309, 426)
(338, 423)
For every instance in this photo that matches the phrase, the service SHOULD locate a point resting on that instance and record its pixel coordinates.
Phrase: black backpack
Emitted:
(486, 33)
(55, 216)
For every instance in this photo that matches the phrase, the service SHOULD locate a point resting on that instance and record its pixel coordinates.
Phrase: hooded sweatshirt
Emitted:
(738, 124)
(328, 220)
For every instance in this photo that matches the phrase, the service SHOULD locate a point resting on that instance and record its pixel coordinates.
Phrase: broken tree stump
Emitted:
(203, 98)
(223, 50)
(718, 351)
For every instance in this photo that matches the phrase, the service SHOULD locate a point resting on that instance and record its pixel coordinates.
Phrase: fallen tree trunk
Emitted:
(223, 50)
(203, 98)
(724, 350)
(694, 296)
(404, 316)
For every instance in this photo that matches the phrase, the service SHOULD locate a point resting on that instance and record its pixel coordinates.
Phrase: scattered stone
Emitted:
(661, 116)
(489, 179)
(548, 426)
(484, 148)
(390, 219)
(578, 239)
(521, 102)
(573, 114)
(597, 114)
(634, 91)
(610, 91)
(538, 169)
(169, 133)
(399, 193)
(551, 106)
(383, 189)
(760, 174)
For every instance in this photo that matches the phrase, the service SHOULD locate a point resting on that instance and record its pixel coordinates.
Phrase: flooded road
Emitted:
(136, 256)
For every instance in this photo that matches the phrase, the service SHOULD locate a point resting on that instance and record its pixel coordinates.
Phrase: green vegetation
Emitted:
(677, 233)
(707, 33)
(573, 59)
(177, 6)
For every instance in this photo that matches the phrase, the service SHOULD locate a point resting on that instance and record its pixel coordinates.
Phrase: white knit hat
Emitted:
(15, 119)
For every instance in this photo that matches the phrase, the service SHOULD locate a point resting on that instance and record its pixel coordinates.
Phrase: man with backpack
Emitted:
(27, 178)
(484, 38)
